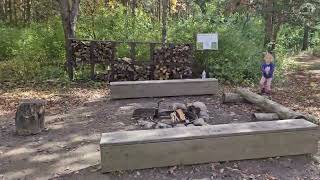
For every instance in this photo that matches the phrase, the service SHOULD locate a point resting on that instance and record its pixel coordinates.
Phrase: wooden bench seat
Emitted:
(163, 88)
(193, 145)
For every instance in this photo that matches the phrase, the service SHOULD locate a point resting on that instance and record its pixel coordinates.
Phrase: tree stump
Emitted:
(30, 117)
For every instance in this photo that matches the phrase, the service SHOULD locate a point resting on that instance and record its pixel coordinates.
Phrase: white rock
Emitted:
(200, 122)
(204, 115)
(191, 125)
(200, 105)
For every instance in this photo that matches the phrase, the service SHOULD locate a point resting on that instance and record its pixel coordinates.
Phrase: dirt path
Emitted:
(69, 148)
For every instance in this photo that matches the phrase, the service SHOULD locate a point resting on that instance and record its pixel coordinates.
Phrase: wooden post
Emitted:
(92, 60)
(113, 59)
(133, 51)
(152, 46)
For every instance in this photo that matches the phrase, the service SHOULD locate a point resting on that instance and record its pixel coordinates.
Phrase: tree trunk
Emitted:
(159, 10)
(306, 33)
(268, 21)
(28, 18)
(10, 11)
(69, 12)
(164, 21)
(3, 10)
(274, 107)
(133, 7)
(202, 5)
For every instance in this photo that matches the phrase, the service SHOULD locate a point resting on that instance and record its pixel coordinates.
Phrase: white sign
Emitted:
(207, 41)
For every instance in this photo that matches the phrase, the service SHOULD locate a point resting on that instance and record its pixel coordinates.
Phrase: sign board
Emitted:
(207, 41)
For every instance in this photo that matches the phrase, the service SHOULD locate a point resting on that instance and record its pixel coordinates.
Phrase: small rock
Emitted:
(176, 106)
(190, 125)
(204, 115)
(232, 114)
(200, 122)
(162, 126)
(138, 173)
(146, 124)
(200, 105)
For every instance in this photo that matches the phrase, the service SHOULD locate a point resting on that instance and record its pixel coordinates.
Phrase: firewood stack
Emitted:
(81, 51)
(101, 52)
(173, 62)
(125, 70)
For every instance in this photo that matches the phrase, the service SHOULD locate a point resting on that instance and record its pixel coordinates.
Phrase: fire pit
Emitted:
(179, 115)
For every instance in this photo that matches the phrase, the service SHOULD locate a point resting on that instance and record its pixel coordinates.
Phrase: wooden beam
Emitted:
(127, 150)
(163, 88)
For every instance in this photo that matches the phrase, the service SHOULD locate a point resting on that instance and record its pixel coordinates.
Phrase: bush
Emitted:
(32, 53)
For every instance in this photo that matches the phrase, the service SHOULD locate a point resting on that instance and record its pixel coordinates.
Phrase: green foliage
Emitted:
(32, 53)
(36, 52)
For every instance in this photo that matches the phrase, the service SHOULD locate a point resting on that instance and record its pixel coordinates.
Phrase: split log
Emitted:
(274, 107)
(232, 98)
(265, 116)
(30, 117)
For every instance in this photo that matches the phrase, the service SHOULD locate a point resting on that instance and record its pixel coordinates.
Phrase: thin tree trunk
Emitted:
(2, 11)
(69, 12)
(159, 10)
(28, 13)
(268, 21)
(10, 11)
(164, 21)
(133, 7)
(306, 33)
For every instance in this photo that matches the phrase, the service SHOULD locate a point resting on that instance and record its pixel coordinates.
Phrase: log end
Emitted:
(29, 118)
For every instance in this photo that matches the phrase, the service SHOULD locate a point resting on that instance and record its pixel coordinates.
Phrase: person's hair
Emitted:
(268, 57)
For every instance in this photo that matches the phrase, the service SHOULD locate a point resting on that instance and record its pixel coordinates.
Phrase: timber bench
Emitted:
(163, 88)
(141, 149)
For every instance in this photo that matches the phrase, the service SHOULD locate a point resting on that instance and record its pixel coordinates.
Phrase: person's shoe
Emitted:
(262, 91)
(268, 94)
